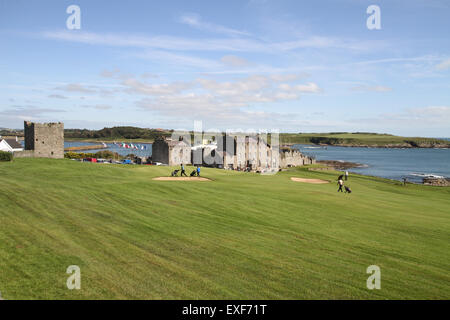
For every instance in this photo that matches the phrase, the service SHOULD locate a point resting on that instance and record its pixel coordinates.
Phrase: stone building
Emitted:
(171, 152)
(43, 140)
(201, 153)
(238, 152)
(227, 151)
(248, 152)
(292, 158)
(240, 160)
(258, 153)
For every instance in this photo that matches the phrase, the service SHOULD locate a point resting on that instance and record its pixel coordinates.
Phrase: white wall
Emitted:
(4, 146)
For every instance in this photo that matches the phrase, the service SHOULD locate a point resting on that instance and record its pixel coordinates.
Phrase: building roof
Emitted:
(13, 143)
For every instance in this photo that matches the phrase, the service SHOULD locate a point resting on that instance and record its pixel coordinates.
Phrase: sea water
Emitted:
(391, 163)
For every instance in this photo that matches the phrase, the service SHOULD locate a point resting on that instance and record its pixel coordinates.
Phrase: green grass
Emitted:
(240, 236)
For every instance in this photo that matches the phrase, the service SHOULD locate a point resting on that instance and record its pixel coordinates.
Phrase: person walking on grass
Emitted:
(198, 171)
(346, 175)
(341, 184)
(183, 171)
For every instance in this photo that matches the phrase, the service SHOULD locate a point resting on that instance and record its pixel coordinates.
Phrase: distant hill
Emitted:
(117, 133)
(363, 139)
(347, 139)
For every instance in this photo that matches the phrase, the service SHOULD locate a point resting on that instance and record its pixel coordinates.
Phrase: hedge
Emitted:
(6, 156)
(106, 154)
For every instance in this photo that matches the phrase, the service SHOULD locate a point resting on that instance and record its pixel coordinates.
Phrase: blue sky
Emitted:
(297, 66)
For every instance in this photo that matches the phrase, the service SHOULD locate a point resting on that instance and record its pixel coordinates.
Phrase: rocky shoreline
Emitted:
(339, 165)
(438, 182)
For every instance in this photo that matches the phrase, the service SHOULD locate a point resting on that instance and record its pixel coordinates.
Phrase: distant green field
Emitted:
(367, 139)
(240, 236)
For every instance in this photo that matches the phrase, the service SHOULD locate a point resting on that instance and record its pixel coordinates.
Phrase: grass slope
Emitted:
(241, 236)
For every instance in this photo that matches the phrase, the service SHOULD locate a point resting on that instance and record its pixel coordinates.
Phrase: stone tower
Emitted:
(46, 139)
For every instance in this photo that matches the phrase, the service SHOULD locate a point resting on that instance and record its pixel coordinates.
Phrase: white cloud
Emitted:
(441, 113)
(251, 83)
(137, 86)
(426, 58)
(177, 59)
(310, 87)
(110, 74)
(17, 113)
(76, 87)
(210, 44)
(158, 42)
(212, 110)
(376, 88)
(430, 117)
(220, 101)
(234, 61)
(444, 65)
(98, 107)
(194, 20)
(288, 77)
(57, 96)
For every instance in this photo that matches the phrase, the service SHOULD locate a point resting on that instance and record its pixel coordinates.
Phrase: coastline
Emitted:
(336, 165)
(386, 146)
(340, 165)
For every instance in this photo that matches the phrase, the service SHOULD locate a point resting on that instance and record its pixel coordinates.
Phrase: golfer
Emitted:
(182, 171)
(341, 184)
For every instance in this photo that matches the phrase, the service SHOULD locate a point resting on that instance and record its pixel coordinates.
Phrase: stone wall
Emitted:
(293, 158)
(46, 139)
(171, 152)
(24, 154)
(160, 151)
(179, 153)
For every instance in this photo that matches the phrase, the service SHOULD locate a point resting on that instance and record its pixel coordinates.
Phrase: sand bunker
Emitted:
(181, 179)
(313, 181)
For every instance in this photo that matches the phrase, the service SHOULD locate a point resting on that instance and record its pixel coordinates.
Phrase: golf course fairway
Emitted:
(238, 236)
